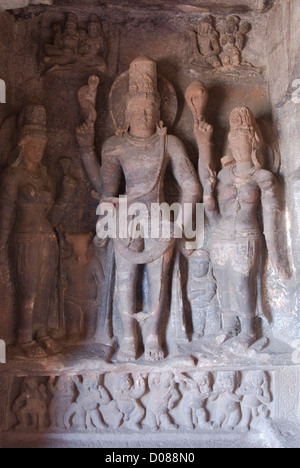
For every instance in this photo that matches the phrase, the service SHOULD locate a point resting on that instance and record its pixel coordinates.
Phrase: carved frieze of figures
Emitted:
(200, 401)
(217, 45)
(75, 47)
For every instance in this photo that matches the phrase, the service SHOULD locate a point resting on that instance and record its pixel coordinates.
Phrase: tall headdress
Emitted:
(35, 121)
(143, 78)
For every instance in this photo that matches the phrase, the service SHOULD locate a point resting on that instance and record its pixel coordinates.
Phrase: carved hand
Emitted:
(211, 182)
(86, 135)
(69, 183)
(203, 132)
(282, 268)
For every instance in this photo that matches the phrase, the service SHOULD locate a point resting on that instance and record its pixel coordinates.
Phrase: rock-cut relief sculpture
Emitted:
(74, 47)
(62, 390)
(206, 45)
(85, 412)
(233, 202)
(31, 408)
(257, 397)
(28, 213)
(84, 279)
(141, 151)
(220, 47)
(164, 396)
(196, 391)
(226, 412)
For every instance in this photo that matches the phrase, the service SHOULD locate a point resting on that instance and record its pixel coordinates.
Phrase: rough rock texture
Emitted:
(14, 4)
(265, 84)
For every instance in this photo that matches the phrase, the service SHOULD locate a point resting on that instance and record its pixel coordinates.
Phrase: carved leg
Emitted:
(136, 418)
(90, 320)
(246, 418)
(246, 299)
(46, 285)
(222, 274)
(26, 275)
(151, 420)
(189, 416)
(96, 420)
(233, 420)
(73, 316)
(126, 288)
(201, 418)
(158, 282)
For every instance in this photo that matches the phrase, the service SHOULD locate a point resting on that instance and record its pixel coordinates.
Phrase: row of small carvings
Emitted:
(202, 400)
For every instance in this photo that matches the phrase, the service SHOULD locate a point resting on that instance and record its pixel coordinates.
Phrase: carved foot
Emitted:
(127, 351)
(153, 350)
(246, 341)
(33, 350)
(223, 337)
(50, 345)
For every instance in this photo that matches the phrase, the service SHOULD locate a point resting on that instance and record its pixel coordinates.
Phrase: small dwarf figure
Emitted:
(227, 409)
(201, 289)
(256, 396)
(127, 392)
(86, 411)
(31, 406)
(84, 278)
(163, 398)
(196, 391)
(63, 393)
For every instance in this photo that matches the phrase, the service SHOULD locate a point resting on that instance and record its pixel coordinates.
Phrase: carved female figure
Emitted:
(243, 190)
(26, 198)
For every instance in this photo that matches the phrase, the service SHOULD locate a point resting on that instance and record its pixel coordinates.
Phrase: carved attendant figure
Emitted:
(26, 198)
(243, 189)
(208, 44)
(142, 154)
(66, 45)
(84, 280)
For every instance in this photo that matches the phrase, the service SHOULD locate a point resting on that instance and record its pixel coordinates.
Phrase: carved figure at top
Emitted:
(85, 49)
(206, 44)
(164, 396)
(233, 200)
(31, 406)
(94, 49)
(27, 213)
(142, 153)
(66, 45)
(84, 279)
(233, 41)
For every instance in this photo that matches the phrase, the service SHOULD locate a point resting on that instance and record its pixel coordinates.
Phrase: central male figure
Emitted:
(143, 154)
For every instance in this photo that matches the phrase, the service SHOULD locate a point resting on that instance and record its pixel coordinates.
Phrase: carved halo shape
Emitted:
(119, 91)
